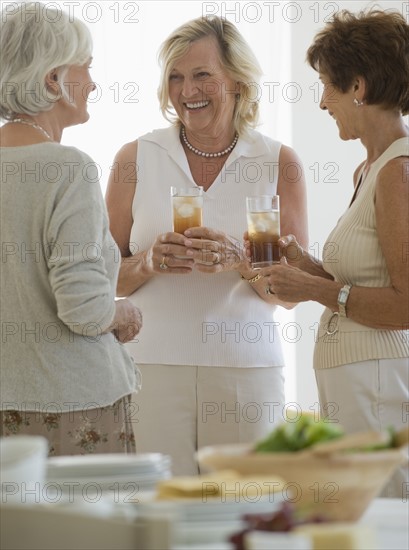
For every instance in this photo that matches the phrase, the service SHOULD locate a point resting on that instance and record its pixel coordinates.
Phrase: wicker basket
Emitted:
(338, 485)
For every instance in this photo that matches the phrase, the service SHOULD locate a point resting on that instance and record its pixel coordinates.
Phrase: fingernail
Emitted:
(189, 253)
(187, 232)
(188, 243)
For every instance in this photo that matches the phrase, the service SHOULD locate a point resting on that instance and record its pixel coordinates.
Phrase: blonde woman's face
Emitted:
(201, 92)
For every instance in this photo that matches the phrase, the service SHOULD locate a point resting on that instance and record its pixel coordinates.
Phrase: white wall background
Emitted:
(127, 36)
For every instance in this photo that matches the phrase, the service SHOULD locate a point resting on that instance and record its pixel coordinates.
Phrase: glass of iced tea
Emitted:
(187, 207)
(263, 224)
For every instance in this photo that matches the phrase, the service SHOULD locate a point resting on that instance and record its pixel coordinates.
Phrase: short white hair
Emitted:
(34, 40)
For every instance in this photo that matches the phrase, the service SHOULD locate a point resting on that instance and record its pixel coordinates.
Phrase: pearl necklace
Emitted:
(203, 153)
(32, 124)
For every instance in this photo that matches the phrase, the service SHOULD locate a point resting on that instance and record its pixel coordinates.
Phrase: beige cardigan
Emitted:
(58, 277)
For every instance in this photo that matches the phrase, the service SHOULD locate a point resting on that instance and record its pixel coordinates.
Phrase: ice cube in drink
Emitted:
(187, 212)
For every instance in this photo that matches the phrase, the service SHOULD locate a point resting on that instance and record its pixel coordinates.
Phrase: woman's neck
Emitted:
(381, 131)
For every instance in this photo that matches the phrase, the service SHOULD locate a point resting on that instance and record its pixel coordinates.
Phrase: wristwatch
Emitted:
(342, 300)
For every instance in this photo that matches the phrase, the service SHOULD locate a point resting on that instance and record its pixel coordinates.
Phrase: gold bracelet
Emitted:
(253, 279)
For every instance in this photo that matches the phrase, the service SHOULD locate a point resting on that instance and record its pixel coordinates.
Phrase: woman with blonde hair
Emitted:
(210, 353)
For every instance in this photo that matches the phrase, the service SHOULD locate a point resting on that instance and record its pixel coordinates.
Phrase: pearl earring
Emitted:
(358, 103)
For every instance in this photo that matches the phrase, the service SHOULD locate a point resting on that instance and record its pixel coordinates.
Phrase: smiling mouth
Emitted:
(197, 105)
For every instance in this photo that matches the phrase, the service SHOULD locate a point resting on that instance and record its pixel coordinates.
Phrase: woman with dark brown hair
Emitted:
(361, 357)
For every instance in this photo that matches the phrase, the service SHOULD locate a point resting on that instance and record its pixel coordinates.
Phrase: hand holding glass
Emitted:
(263, 224)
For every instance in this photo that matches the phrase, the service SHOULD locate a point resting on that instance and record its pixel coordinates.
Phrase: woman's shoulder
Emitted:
(164, 137)
(49, 153)
(271, 144)
(127, 153)
(72, 154)
(253, 143)
(256, 136)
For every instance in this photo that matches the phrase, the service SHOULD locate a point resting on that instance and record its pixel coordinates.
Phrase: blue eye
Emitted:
(202, 74)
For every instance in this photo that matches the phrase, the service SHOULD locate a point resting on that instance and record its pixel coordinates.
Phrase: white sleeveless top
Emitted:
(353, 255)
(202, 319)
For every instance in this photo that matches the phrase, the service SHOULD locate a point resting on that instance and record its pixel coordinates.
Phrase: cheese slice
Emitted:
(338, 536)
(223, 485)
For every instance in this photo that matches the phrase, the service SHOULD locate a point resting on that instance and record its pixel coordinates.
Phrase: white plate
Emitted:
(122, 489)
(216, 510)
(206, 532)
(106, 465)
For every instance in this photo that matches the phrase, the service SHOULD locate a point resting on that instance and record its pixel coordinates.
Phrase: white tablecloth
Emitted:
(388, 517)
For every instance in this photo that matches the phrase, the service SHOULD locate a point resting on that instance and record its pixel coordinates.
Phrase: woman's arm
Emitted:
(83, 292)
(119, 195)
(388, 308)
(139, 267)
(380, 308)
(119, 198)
(296, 254)
(293, 196)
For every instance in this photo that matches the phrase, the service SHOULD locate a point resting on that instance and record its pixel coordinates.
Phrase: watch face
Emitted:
(343, 295)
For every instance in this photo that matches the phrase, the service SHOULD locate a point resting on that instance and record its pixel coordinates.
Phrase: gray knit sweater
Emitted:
(59, 269)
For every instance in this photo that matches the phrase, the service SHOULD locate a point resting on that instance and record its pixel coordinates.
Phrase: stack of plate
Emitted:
(92, 476)
(209, 521)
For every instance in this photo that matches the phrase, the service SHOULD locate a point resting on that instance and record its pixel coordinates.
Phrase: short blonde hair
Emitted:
(34, 40)
(235, 54)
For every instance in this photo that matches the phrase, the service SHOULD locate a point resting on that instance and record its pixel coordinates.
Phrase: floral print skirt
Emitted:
(103, 430)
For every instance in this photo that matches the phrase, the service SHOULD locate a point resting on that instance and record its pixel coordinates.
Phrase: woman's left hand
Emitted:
(214, 251)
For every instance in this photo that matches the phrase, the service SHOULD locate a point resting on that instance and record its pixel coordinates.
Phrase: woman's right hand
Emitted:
(167, 255)
(127, 321)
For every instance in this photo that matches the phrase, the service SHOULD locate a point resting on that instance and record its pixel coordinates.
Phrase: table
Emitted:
(388, 517)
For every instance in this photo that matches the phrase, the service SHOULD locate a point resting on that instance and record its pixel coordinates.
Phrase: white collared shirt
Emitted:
(202, 319)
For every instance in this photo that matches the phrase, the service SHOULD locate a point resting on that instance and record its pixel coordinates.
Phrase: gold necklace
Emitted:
(32, 124)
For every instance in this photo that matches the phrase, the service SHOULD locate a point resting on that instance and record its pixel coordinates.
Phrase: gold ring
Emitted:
(163, 264)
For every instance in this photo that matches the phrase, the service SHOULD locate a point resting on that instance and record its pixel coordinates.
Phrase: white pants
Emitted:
(183, 408)
(370, 395)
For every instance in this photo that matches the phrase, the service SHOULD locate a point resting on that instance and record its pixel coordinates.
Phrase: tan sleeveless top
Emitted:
(353, 255)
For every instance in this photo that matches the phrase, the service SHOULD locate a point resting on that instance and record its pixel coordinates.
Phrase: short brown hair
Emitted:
(372, 44)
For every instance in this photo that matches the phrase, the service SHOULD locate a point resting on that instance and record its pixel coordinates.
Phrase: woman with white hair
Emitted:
(64, 373)
(210, 351)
